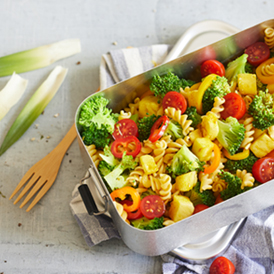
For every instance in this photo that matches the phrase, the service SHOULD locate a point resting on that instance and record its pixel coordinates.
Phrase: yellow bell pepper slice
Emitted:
(270, 88)
(238, 156)
(195, 86)
(264, 78)
(195, 99)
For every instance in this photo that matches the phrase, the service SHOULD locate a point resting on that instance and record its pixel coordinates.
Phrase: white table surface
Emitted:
(47, 239)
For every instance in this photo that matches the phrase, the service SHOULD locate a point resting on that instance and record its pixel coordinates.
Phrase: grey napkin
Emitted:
(252, 251)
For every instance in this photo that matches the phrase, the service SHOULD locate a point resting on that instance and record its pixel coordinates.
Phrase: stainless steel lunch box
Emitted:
(96, 197)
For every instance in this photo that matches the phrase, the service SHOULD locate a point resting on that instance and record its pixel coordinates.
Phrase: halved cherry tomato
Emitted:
(131, 145)
(219, 199)
(125, 128)
(257, 53)
(158, 129)
(234, 106)
(175, 100)
(270, 154)
(222, 265)
(199, 208)
(263, 169)
(137, 214)
(215, 162)
(122, 194)
(212, 66)
(152, 206)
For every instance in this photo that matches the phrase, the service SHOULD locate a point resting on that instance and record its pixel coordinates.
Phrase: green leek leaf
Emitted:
(11, 93)
(38, 57)
(34, 107)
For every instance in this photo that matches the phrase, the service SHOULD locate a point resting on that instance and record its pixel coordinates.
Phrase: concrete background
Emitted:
(47, 239)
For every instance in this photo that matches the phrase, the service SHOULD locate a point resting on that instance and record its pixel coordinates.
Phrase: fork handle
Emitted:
(63, 146)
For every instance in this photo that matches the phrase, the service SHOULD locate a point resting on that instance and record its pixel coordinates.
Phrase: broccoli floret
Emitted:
(249, 68)
(160, 85)
(187, 83)
(192, 114)
(97, 121)
(236, 67)
(147, 224)
(144, 126)
(104, 168)
(115, 178)
(231, 134)
(233, 185)
(218, 88)
(175, 130)
(261, 109)
(244, 164)
(260, 85)
(100, 138)
(184, 161)
(197, 197)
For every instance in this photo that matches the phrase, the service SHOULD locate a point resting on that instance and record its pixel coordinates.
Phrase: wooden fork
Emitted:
(43, 174)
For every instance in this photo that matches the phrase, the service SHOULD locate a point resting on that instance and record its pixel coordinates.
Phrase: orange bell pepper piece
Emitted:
(216, 161)
(122, 194)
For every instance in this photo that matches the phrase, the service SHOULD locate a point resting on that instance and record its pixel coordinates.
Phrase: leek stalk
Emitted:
(34, 107)
(11, 93)
(38, 57)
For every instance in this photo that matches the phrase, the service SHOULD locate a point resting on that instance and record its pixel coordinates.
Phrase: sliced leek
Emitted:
(34, 107)
(11, 93)
(38, 57)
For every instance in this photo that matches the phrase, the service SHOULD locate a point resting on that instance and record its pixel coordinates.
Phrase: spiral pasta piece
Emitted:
(94, 154)
(206, 181)
(218, 106)
(124, 115)
(158, 154)
(218, 185)
(249, 133)
(168, 222)
(269, 37)
(121, 211)
(172, 149)
(135, 176)
(164, 187)
(268, 70)
(181, 119)
(247, 178)
(133, 108)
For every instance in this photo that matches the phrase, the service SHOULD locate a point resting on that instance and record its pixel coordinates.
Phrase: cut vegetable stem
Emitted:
(11, 93)
(38, 57)
(34, 107)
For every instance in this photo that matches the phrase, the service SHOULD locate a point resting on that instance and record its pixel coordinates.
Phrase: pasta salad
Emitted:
(185, 146)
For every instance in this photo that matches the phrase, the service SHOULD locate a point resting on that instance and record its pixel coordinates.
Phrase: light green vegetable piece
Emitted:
(34, 107)
(38, 57)
(11, 93)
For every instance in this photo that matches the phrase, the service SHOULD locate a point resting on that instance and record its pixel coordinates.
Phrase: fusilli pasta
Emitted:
(269, 37)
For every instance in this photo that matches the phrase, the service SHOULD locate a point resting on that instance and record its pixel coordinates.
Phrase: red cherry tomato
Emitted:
(212, 67)
(222, 265)
(263, 169)
(219, 199)
(125, 128)
(199, 208)
(234, 106)
(176, 100)
(152, 206)
(131, 145)
(135, 214)
(158, 129)
(257, 53)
